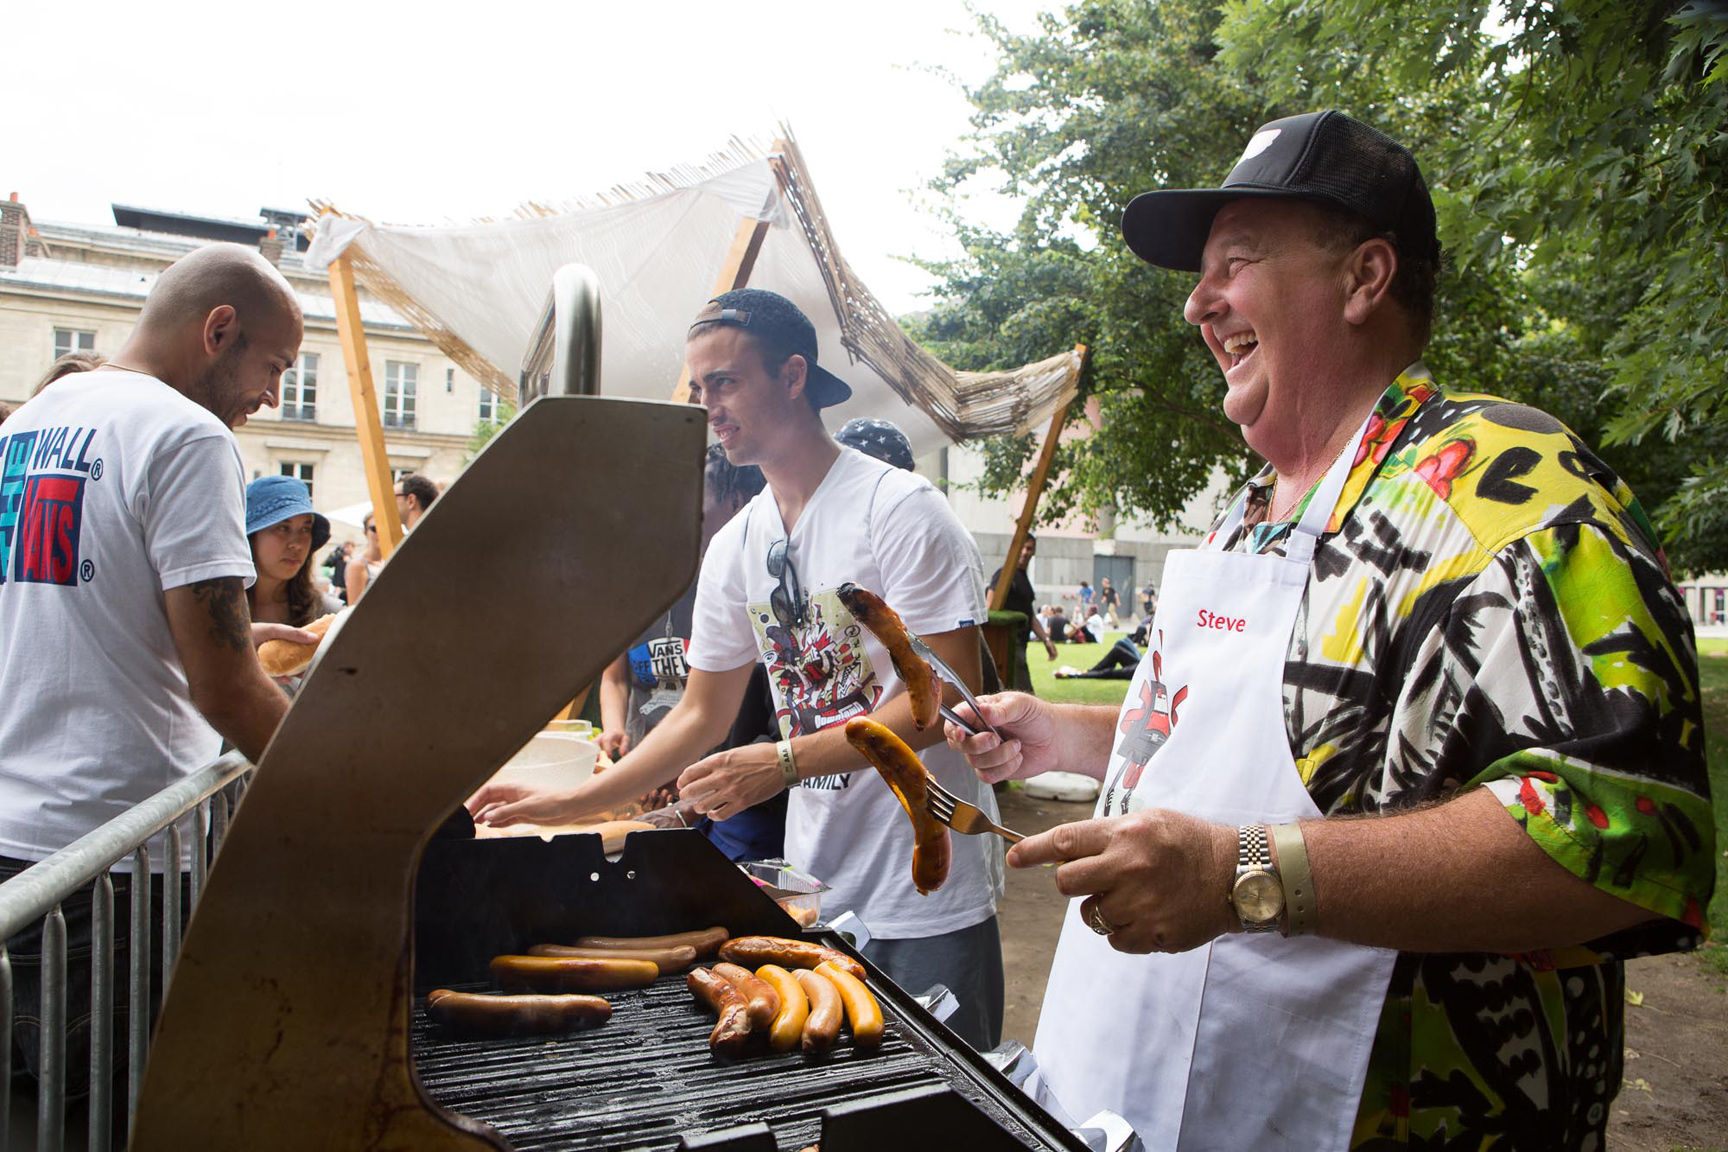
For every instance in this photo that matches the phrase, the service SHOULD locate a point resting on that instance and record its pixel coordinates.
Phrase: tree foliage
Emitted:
(1575, 149)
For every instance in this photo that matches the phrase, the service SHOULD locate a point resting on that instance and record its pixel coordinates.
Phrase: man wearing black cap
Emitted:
(829, 515)
(1435, 611)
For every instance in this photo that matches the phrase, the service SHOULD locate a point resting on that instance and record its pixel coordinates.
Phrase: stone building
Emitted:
(79, 287)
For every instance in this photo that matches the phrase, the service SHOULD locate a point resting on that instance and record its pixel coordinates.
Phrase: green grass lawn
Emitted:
(1713, 675)
(1717, 645)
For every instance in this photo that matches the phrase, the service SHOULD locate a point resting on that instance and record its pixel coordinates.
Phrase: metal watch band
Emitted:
(1301, 911)
(788, 769)
(1251, 850)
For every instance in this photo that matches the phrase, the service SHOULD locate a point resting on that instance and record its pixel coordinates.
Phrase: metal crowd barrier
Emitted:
(209, 796)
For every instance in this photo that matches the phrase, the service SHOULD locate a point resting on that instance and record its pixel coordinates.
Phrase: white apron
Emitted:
(1253, 1041)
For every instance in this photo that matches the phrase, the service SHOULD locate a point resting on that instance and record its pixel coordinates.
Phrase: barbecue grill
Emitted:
(646, 1079)
(292, 1020)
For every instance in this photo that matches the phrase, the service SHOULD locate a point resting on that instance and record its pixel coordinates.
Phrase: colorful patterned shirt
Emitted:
(1488, 607)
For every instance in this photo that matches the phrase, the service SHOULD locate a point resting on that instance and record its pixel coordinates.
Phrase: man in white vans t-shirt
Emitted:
(767, 593)
(126, 648)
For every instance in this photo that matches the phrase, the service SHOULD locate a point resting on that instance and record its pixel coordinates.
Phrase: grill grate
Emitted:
(646, 1079)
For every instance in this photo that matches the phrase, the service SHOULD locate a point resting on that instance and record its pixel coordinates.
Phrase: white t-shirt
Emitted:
(113, 488)
(889, 531)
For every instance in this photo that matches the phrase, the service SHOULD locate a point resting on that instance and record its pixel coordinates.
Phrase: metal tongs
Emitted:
(940, 667)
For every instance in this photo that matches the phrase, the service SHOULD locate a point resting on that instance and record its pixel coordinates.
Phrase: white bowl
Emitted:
(552, 760)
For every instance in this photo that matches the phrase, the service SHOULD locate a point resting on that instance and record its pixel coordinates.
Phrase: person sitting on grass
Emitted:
(1118, 663)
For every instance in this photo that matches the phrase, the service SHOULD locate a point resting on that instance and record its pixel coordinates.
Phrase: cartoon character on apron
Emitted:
(1254, 1040)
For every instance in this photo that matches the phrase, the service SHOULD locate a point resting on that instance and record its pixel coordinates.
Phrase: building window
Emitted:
(300, 389)
(396, 474)
(449, 380)
(300, 471)
(73, 340)
(491, 407)
(400, 380)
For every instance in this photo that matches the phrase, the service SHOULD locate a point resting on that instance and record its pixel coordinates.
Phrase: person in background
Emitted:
(1117, 663)
(284, 532)
(67, 365)
(642, 686)
(336, 565)
(1108, 601)
(1085, 597)
(415, 495)
(5, 411)
(1056, 624)
(1088, 629)
(1148, 605)
(1022, 598)
(366, 564)
(127, 656)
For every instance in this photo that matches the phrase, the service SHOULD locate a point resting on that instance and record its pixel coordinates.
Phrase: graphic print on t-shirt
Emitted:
(819, 671)
(1146, 722)
(42, 477)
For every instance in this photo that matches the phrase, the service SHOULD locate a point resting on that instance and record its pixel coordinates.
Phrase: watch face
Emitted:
(1259, 897)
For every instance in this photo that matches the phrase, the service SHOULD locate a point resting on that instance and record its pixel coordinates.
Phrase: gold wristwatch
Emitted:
(1257, 894)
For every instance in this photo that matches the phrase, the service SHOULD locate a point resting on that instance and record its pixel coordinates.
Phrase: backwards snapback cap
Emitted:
(782, 323)
(1325, 157)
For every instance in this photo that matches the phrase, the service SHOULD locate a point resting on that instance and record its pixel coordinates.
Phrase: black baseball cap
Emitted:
(1325, 157)
(783, 324)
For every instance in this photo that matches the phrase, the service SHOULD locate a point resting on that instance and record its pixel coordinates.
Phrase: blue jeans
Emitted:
(969, 962)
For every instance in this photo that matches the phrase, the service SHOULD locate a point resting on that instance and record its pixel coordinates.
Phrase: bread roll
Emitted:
(286, 658)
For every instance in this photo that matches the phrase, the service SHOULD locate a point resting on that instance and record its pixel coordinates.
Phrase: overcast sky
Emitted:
(433, 112)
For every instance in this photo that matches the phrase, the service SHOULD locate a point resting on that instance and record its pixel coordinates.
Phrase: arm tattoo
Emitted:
(230, 622)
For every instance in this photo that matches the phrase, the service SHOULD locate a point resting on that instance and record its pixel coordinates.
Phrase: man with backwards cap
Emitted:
(829, 515)
(1436, 612)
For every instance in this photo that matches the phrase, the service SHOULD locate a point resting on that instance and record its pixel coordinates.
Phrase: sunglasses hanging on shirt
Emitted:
(787, 600)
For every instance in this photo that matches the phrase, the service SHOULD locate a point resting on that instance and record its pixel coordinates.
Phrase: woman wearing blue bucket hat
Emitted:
(284, 533)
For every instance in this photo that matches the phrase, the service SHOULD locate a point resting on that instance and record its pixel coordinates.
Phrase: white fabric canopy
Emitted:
(657, 248)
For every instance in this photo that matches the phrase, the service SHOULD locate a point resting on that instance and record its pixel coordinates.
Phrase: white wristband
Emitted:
(788, 768)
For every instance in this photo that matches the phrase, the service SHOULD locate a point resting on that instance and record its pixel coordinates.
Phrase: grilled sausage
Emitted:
(862, 1011)
(707, 941)
(755, 951)
(822, 1026)
(788, 1026)
(665, 959)
(475, 1015)
(905, 774)
(922, 686)
(732, 1031)
(764, 1001)
(571, 974)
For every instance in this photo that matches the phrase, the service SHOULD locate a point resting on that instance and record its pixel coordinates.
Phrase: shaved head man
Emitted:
(220, 327)
(123, 554)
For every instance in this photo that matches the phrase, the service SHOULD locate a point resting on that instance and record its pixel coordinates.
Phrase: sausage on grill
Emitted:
(666, 959)
(760, 995)
(822, 1026)
(571, 974)
(788, 1027)
(862, 1011)
(755, 951)
(706, 941)
(732, 1031)
(476, 1015)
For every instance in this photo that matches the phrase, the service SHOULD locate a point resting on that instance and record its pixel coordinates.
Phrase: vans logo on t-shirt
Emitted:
(42, 509)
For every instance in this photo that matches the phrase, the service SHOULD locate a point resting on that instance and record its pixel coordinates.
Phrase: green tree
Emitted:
(1574, 149)
(485, 429)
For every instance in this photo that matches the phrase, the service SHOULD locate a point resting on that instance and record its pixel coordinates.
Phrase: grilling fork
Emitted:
(967, 819)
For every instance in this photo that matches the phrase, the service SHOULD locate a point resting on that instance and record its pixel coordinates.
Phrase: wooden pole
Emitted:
(1034, 492)
(734, 273)
(368, 425)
